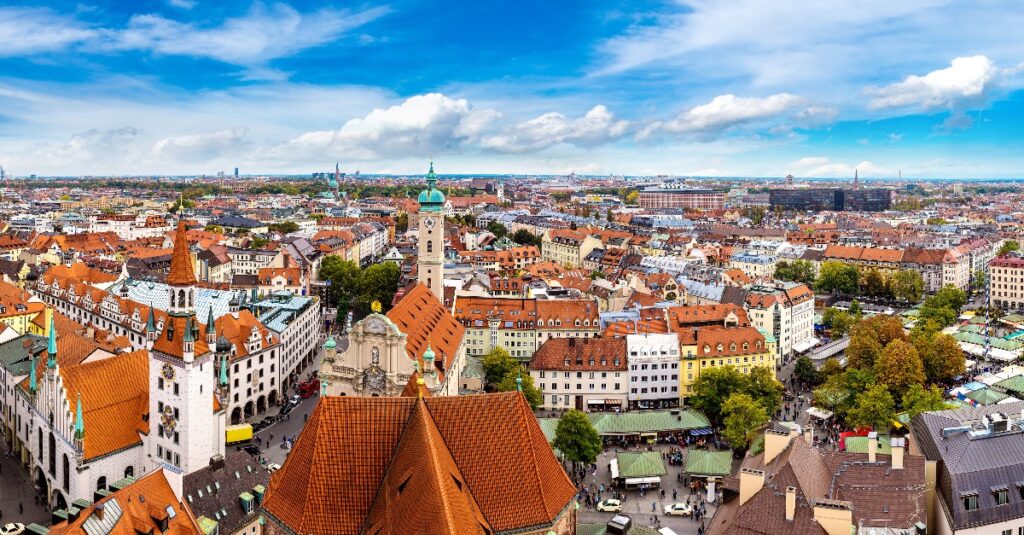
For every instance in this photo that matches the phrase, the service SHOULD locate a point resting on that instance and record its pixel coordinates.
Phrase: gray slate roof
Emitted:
(240, 474)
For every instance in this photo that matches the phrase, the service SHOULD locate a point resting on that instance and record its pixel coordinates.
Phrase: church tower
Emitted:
(186, 426)
(431, 237)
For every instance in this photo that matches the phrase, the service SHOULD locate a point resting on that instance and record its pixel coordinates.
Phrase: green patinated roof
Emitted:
(548, 427)
(602, 529)
(1000, 343)
(474, 367)
(1014, 385)
(632, 423)
(15, 357)
(709, 463)
(36, 529)
(643, 464)
(987, 396)
(208, 525)
(860, 445)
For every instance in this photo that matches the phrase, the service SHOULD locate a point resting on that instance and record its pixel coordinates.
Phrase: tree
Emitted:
(855, 309)
(744, 416)
(796, 271)
(497, 363)
(918, 399)
(907, 285)
(873, 407)
(285, 227)
(497, 229)
(942, 357)
(805, 371)
(899, 366)
(842, 322)
(525, 237)
(519, 378)
(1007, 247)
(379, 283)
(344, 278)
(838, 278)
(944, 306)
(402, 222)
(863, 351)
(216, 229)
(764, 388)
(576, 439)
(829, 368)
(610, 216)
(713, 387)
(258, 243)
(874, 284)
(633, 197)
(978, 279)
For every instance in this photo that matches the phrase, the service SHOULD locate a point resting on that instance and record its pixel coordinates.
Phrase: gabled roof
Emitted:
(516, 482)
(425, 321)
(182, 271)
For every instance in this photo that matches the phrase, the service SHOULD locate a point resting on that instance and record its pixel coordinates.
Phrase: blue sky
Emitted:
(931, 88)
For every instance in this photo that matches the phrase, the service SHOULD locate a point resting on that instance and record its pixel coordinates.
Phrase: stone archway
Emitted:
(58, 500)
(247, 412)
(42, 486)
(261, 405)
(273, 398)
(236, 416)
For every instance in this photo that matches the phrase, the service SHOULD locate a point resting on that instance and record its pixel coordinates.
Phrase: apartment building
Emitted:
(567, 247)
(743, 348)
(584, 374)
(521, 325)
(653, 361)
(1006, 285)
(786, 311)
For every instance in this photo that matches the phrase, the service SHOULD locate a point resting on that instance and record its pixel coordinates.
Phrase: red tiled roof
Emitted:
(182, 271)
(424, 320)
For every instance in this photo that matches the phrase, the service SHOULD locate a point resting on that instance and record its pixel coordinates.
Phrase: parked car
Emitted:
(268, 421)
(252, 450)
(273, 467)
(609, 506)
(14, 528)
(295, 399)
(678, 509)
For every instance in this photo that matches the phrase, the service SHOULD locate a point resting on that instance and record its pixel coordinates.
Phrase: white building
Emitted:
(581, 373)
(653, 370)
(785, 311)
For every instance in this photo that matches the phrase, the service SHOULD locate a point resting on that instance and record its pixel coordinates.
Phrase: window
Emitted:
(970, 502)
(1002, 496)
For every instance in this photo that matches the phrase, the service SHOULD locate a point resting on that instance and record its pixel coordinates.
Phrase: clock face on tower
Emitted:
(428, 222)
(168, 372)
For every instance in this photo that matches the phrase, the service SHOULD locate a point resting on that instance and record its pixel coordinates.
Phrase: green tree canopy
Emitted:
(875, 284)
(576, 438)
(838, 277)
(862, 352)
(519, 377)
(1008, 246)
(355, 289)
(907, 285)
(805, 371)
(943, 307)
(942, 357)
(497, 229)
(873, 407)
(762, 385)
(744, 417)
(899, 366)
(796, 271)
(402, 222)
(497, 363)
(713, 387)
(839, 321)
(830, 367)
(379, 283)
(285, 227)
(918, 399)
(525, 237)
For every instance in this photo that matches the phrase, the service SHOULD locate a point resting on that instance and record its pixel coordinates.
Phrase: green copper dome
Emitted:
(331, 344)
(429, 354)
(431, 199)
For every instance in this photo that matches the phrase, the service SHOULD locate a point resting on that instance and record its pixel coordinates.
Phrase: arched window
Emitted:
(67, 473)
(129, 472)
(181, 299)
(101, 483)
(430, 246)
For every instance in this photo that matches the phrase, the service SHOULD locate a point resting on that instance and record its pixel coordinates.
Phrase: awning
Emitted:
(643, 481)
(701, 432)
(613, 467)
(805, 345)
(820, 414)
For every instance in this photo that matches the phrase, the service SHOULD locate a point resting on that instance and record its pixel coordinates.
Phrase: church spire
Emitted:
(182, 270)
(223, 379)
(32, 381)
(79, 422)
(51, 347)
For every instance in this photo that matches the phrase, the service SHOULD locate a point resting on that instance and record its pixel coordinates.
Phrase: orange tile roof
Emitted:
(424, 320)
(731, 340)
(115, 400)
(517, 483)
(175, 347)
(182, 271)
(590, 354)
(142, 505)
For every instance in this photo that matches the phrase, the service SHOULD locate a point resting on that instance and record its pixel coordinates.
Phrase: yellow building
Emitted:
(743, 348)
(23, 312)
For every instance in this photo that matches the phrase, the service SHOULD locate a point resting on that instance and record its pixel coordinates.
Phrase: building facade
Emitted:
(583, 374)
(653, 361)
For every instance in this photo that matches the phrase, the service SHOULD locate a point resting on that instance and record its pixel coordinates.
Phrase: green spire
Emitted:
(188, 331)
(519, 381)
(51, 347)
(32, 377)
(79, 422)
(431, 177)
(151, 322)
(330, 344)
(224, 369)
(209, 323)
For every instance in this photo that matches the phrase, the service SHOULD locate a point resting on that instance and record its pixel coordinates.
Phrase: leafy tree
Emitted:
(942, 357)
(519, 377)
(497, 229)
(978, 279)
(1007, 247)
(830, 367)
(796, 271)
(402, 222)
(832, 395)
(610, 216)
(285, 227)
(907, 285)
(525, 237)
(899, 366)
(838, 278)
(576, 438)
(596, 274)
(713, 387)
(841, 322)
(744, 416)
(633, 197)
(258, 243)
(863, 351)
(216, 229)
(873, 407)
(918, 399)
(344, 277)
(560, 196)
(378, 282)
(874, 284)
(497, 363)
(943, 307)
(885, 328)
(855, 309)
(762, 385)
(805, 371)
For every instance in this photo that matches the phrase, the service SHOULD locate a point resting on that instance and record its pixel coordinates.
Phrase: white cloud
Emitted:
(894, 137)
(25, 31)
(421, 126)
(86, 147)
(957, 120)
(966, 80)
(202, 147)
(597, 126)
(182, 4)
(821, 167)
(708, 121)
(263, 34)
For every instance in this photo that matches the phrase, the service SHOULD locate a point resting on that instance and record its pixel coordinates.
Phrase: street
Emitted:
(17, 492)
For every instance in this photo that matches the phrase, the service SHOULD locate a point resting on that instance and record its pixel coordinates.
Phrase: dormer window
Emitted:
(758, 344)
(732, 346)
(707, 349)
(719, 347)
(746, 346)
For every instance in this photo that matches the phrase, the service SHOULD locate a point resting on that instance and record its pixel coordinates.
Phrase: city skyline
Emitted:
(679, 88)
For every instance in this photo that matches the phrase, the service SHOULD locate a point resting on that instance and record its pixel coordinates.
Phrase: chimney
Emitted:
(898, 444)
(834, 516)
(751, 482)
(774, 443)
(790, 503)
(98, 510)
(872, 446)
(809, 434)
